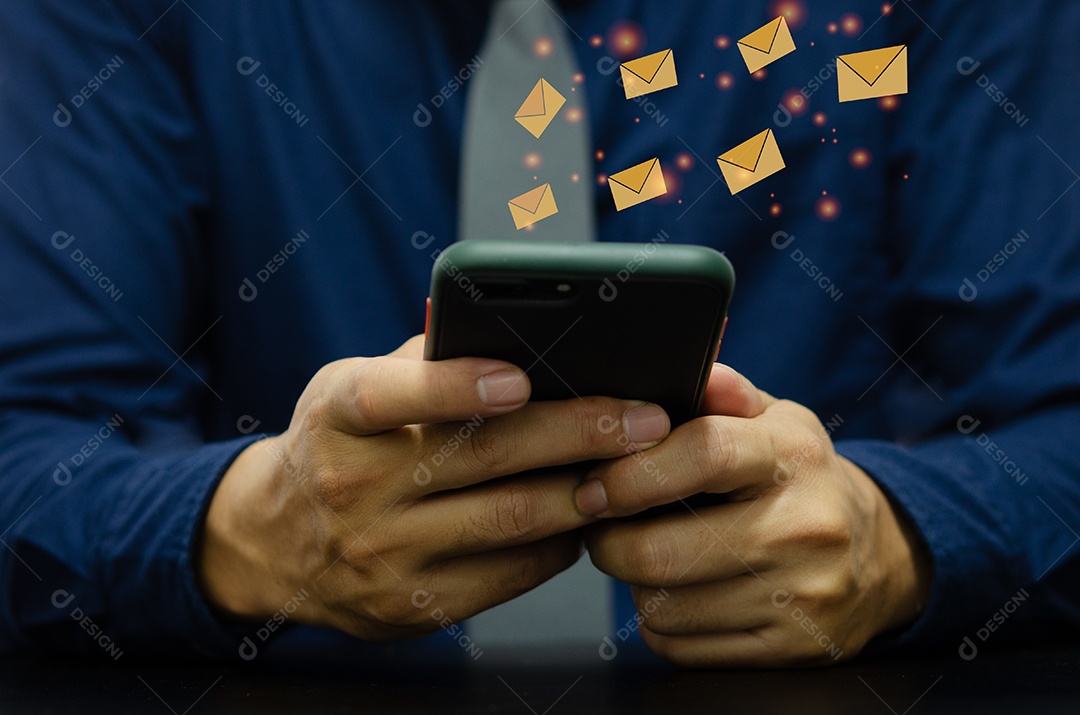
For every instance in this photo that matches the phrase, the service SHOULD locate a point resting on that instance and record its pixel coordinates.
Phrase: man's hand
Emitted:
(804, 564)
(383, 500)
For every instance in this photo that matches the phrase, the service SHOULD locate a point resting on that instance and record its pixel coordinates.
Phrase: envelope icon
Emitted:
(874, 73)
(637, 184)
(539, 108)
(766, 44)
(751, 161)
(530, 207)
(648, 74)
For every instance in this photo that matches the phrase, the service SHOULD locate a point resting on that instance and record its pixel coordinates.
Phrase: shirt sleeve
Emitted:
(105, 473)
(984, 397)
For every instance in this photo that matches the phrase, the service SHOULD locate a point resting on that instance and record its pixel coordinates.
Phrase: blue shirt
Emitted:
(205, 202)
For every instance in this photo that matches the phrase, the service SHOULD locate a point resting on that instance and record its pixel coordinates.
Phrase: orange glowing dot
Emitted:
(834, 141)
(886, 9)
(824, 193)
(701, 76)
(795, 102)
(831, 28)
(599, 155)
(578, 77)
(851, 24)
(775, 210)
(722, 42)
(637, 120)
(794, 11)
(760, 74)
(574, 115)
(601, 179)
(625, 39)
(674, 183)
(905, 177)
(596, 40)
(820, 119)
(888, 104)
(860, 158)
(574, 178)
(827, 208)
(684, 161)
(533, 160)
(543, 47)
(724, 80)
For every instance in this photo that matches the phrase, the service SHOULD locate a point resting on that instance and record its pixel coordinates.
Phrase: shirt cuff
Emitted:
(933, 497)
(151, 553)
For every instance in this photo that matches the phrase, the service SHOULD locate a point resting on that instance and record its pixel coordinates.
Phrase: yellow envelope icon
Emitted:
(539, 108)
(647, 74)
(530, 207)
(874, 73)
(637, 184)
(751, 161)
(766, 44)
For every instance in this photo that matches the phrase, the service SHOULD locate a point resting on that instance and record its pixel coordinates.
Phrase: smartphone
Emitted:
(627, 320)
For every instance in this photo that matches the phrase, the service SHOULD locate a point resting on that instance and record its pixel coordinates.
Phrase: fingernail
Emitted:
(502, 388)
(591, 498)
(647, 423)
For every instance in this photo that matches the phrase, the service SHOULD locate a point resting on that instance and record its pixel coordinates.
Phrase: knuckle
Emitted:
(715, 451)
(652, 559)
(663, 621)
(393, 609)
(526, 571)
(666, 647)
(334, 488)
(316, 416)
(826, 528)
(484, 451)
(365, 380)
(590, 414)
(514, 513)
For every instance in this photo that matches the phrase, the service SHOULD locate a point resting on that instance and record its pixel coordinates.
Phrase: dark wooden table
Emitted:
(1044, 680)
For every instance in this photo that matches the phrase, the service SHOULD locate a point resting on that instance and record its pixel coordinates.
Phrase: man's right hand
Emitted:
(383, 500)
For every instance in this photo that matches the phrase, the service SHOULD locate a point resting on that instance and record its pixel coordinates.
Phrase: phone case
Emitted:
(627, 320)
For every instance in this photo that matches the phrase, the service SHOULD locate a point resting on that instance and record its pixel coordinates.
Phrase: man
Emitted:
(209, 206)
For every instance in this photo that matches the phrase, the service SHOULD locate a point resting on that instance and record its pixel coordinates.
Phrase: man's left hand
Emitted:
(803, 564)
